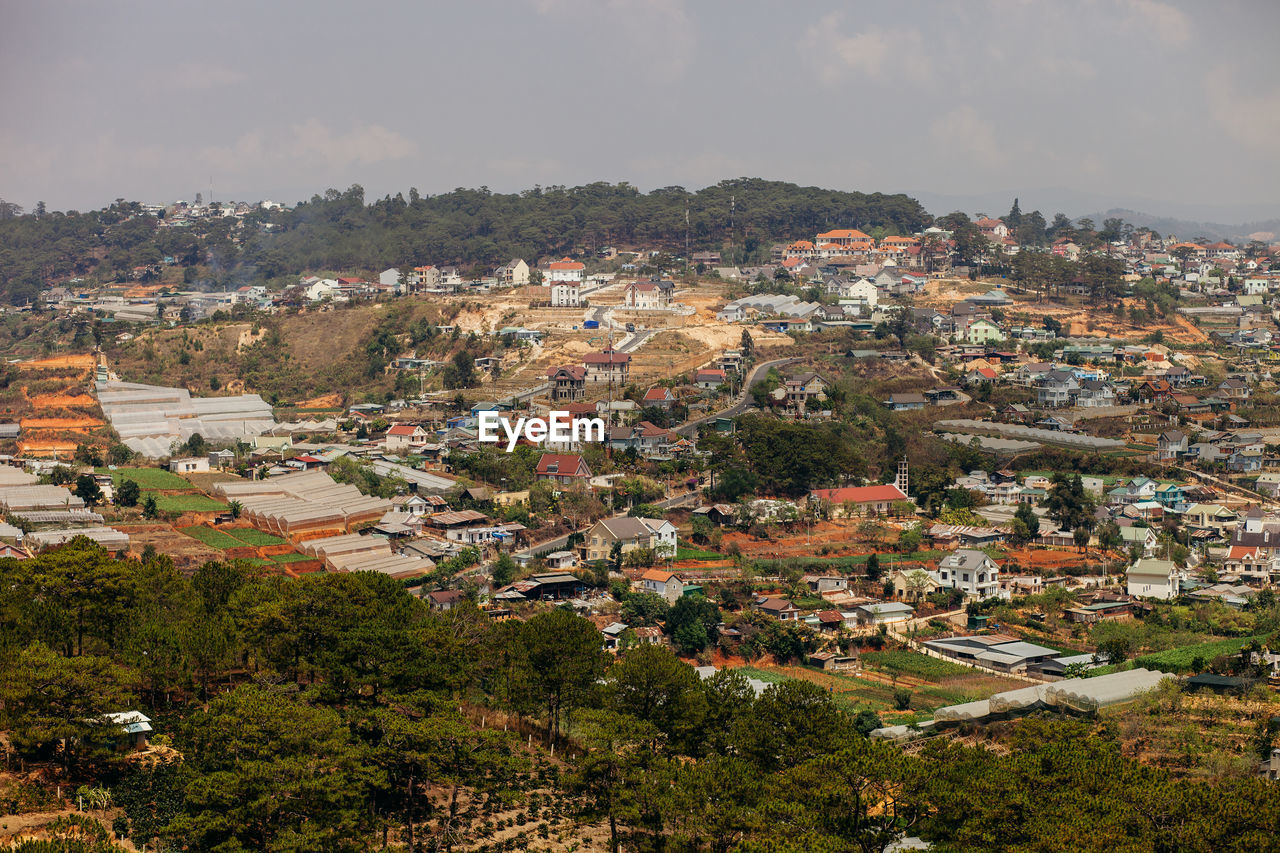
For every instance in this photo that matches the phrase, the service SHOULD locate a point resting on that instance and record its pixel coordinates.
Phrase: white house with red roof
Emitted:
(842, 237)
(659, 398)
(405, 438)
(709, 378)
(664, 584)
(992, 229)
(862, 500)
(565, 269)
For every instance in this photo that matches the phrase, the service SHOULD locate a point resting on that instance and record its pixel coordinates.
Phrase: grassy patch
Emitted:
(212, 538)
(257, 538)
(186, 503)
(1179, 660)
(762, 674)
(684, 551)
(914, 663)
(147, 478)
(290, 558)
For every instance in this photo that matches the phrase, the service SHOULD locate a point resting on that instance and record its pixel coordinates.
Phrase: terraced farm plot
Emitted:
(1180, 660)
(237, 537)
(212, 538)
(874, 690)
(914, 663)
(257, 538)
(290, 558)
(186, 503)
(148, 478)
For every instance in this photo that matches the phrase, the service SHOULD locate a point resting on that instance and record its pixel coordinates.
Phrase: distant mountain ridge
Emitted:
(1190, 230)
(1189, 220)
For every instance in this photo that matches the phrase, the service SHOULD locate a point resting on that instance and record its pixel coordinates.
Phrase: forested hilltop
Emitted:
(341, 231)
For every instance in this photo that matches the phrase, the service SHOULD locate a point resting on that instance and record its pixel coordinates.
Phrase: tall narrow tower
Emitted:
(901, 480)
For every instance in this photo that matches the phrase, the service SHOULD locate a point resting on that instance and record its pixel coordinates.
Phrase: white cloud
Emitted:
(1251, 118)
(197, 76)
(872, 52)
(311, 144)
(1170, 25)
(963, 132)
(660, 33)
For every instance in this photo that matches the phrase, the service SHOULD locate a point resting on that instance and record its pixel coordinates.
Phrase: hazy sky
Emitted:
(150, 100)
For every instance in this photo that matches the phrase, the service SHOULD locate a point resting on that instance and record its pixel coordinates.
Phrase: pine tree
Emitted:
(1014, 219)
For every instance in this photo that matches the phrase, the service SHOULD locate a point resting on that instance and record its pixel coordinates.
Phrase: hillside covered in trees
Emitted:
(337, 712)
(341, 231)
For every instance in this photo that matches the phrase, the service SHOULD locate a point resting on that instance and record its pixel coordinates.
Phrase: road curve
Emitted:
(741, 405)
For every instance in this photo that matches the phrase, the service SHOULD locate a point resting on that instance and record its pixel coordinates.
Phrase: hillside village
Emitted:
(949, 477)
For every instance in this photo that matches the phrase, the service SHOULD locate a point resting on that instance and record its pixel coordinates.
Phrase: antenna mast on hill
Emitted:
(686, 231)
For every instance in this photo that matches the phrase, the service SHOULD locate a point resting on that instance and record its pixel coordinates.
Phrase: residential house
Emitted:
(560, 560)
(1171, 445)
(1170, 495)
(863, 500)
(709, 379)
(914, 585)
(1234, 389)
(646, 438)
(1211, 518)
(568, 383)
(565, 269)
(980, 375)
(825, 583)
(1057, 388)
(514, 273)
(631, 534)
(566, 294)
(445, 599)
(972, 572)
(607, 366)
(424, 278)
(664, 584)
(190, 465)
(1095, 393)
(659, 398)
(406, 438)
(1268, 483)
(779, 608)
(1150, 578)
(562, 468)
(648, 295)
(983, 332)
(801, 389)
(884, 613)
(906, 401)
(1143, 538)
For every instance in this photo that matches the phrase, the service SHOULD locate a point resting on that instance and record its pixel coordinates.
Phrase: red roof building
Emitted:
(562, 468)
(865, 498)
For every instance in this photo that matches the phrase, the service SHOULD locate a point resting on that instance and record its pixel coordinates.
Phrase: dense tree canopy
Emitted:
(339, 230)
(343, 714)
